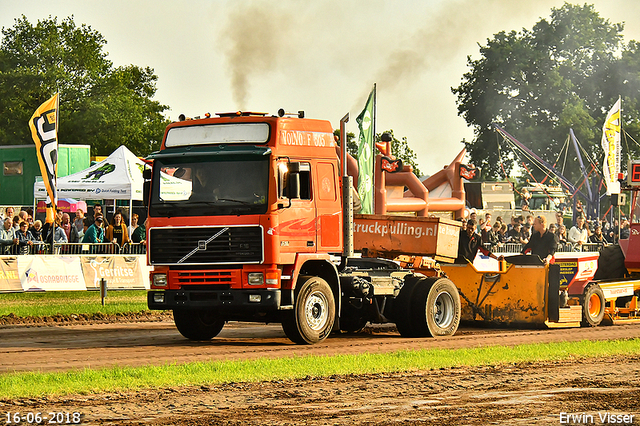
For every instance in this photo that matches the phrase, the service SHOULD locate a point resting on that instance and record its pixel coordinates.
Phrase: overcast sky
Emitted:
(321, 57)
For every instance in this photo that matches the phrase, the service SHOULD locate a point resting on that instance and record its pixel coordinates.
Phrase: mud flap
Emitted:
(554, 293)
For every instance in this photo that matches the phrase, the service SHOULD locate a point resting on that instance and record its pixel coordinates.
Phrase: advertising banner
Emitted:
(396, 235)
(366, 125)
(612, 149)
(50, 273)
(9, 277)
(120, 272)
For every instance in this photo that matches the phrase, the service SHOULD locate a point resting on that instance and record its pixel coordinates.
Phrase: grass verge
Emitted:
(47, 304)
(33, 384)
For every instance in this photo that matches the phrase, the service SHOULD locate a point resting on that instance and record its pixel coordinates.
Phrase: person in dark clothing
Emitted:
(493, 236)
(516, 235)
(542, 243)
(469, 243)
(598, 237)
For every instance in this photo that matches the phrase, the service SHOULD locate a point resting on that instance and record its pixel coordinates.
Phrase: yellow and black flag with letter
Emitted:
(44, 131)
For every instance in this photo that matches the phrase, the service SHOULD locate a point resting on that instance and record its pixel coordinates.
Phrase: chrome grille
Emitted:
(205, 245)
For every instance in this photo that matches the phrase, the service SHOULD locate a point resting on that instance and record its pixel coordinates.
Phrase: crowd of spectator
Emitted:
(519, 231)
(20, 234)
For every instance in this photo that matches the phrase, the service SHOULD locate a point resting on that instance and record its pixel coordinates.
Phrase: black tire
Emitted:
(435, 308)
(593, 305)
(197, 324)
(402, 306)
(313, 314)
(611, 264)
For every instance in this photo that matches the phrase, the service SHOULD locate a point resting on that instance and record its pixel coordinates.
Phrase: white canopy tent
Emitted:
(118, 177)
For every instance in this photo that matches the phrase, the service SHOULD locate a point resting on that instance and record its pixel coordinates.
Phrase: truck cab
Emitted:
(238, 204)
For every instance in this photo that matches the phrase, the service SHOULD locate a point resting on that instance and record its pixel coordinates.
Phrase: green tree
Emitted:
(564, 73)
(399, 149)
(100, 105)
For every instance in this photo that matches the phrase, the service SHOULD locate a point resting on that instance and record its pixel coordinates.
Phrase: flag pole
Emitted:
(373, 150)
(620, 170)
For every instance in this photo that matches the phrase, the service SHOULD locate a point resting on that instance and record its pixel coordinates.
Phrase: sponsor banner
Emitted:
(71, 273)
(395, 235)
(50, 273)
(44, 131)
(120, 272)
(621, 290)
(366, 125)
(612, 149)
(9, 276)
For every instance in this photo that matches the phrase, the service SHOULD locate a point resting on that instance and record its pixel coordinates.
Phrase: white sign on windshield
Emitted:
(173, 188)
(256, 133)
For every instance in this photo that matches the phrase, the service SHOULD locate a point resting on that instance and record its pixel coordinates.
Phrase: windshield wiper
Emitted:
(235, 201)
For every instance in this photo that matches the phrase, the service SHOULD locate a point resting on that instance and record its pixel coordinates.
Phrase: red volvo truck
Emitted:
(250, 219)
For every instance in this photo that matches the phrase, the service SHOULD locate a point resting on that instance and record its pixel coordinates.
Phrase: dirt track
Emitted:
(512, 394)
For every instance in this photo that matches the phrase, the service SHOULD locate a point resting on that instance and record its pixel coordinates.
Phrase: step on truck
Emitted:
(251, 219)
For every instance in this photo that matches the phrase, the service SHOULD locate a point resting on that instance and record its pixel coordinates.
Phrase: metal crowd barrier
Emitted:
(37, 248)
(134, 248)
(74, 249)
(504, 248)
(81, 248)
(562, 248)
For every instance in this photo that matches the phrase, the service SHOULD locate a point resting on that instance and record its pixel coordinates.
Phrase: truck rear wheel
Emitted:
(402, 306)
(593, 305)
(435, 308)
(312, 317)
(196, 324)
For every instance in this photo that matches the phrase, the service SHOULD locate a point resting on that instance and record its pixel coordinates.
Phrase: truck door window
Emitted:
(305, 180)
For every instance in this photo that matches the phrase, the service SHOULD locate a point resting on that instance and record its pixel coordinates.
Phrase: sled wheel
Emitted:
(402, 306)
(312, 317)
(435, 308)
(593, 305)
(197, 324)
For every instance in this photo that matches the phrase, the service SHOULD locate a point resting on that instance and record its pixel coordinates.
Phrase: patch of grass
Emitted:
(44, 304)
(33, 384)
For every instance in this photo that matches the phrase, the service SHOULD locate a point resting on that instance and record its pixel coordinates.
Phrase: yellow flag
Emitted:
(44, 131)
(611, 146)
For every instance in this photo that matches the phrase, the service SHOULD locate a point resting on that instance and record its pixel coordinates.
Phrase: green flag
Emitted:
(365, 154)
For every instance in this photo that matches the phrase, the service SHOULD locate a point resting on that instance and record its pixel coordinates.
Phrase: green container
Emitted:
(20, 168)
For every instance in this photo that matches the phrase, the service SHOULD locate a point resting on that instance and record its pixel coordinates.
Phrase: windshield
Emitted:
(547, 202)
(208, 186)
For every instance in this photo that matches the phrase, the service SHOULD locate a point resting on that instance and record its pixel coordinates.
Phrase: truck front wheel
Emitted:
(197, 325)
(313, 314)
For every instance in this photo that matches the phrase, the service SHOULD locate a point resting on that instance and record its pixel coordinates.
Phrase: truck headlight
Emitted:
(255, 278)
(160, 280)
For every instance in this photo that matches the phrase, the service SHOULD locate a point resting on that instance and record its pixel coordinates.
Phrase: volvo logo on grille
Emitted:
(202, 244)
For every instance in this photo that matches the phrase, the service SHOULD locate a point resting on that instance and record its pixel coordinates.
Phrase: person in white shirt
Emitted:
(578, 234)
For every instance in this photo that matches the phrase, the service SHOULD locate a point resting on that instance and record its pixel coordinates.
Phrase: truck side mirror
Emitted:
(146, 191)
(146, 185)
(293, 184)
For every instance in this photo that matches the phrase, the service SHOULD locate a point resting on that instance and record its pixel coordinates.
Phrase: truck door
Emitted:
(297, 222)
(328, 207)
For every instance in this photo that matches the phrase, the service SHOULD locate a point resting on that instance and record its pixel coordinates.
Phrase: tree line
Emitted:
(100, 105)
(564, 73)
